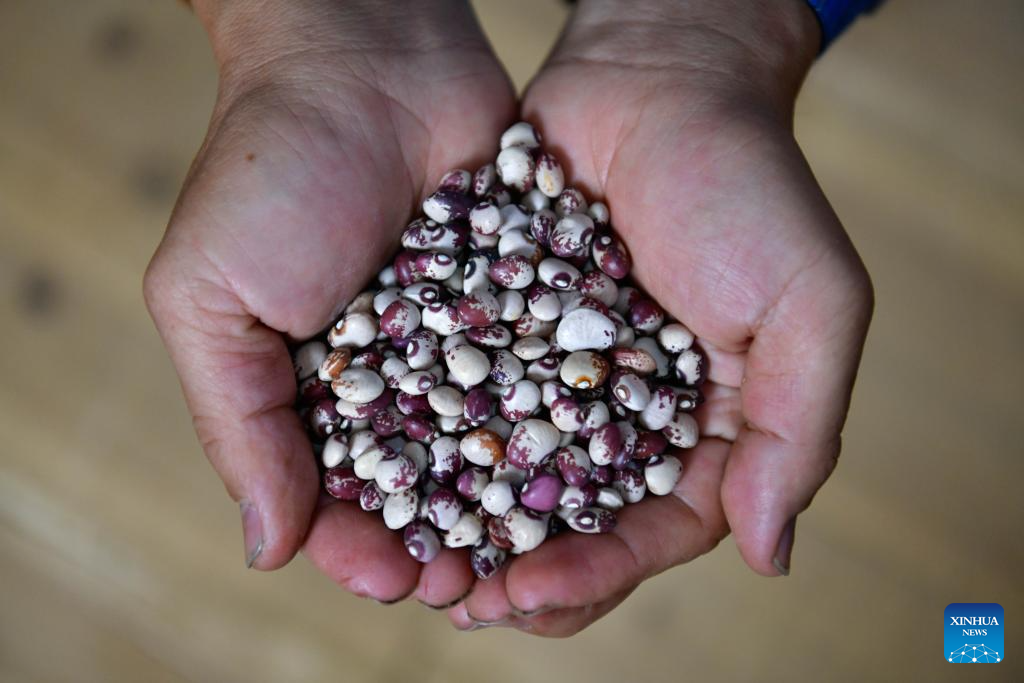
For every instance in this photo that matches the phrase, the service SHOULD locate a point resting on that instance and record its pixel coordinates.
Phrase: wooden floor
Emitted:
(121, 557)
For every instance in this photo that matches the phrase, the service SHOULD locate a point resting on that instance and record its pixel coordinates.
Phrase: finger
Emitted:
(489, 603)
(800, 373)
(573, 570)
(361, 554)
(721, 414)
(445, 580)
(562, 623)
(239, 383)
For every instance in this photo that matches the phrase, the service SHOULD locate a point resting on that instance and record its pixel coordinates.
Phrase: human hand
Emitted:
(331, 120)
(680, 117)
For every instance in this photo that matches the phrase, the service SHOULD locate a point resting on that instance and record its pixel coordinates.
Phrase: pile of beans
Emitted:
(502, 382)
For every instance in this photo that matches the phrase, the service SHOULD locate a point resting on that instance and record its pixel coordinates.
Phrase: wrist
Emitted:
(263, 36)
(732, 49)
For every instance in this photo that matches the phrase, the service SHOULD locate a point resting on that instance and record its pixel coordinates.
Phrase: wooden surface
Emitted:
(121, 557)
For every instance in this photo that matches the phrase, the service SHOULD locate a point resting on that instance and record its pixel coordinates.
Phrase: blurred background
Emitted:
(121, 556)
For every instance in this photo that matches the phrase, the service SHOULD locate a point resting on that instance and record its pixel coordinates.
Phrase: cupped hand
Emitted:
(682, 122)
(331, 122)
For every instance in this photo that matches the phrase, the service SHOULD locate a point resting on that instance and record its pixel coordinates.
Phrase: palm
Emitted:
(726, 229)
(295, 201)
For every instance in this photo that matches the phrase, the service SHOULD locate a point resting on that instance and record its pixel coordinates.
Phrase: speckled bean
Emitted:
(342, 483)
(591, 520)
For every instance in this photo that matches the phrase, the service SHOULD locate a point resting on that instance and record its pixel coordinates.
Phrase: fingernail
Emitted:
(544, 609)
(448, 605)
(394, 601)
(477, 625)
(252, 533)
(785, 548)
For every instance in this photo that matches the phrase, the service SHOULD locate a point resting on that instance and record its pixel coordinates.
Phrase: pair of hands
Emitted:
(333, 121)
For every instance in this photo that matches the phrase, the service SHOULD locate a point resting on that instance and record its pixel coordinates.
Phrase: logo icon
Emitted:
(974, 633)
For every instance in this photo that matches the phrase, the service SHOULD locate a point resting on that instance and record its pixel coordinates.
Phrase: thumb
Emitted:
(239, 384)
(796, 391)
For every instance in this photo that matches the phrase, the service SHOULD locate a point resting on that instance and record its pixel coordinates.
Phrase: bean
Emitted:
(609, 499)
(526, 529)
(358, 386)
(584, 370)
(611, 256)
(569, 201)
(471, 483)
(445, 206)
(421, 541)
(591, 520)
(598, 211)
(682, 431)
(675, 337)
(506, 368)
(690, 367)
(519, 243)
(660, 410)
(514, 217)
(324, 419)
(497, 497)
(485, 218)
(646, 316)
(630, 484)
(371, 497)
(467, 531)
(456, 180)
(519, 400)
(558, 274)
(572, 235)
(312, 390)
(353, 330)
(522, 134)
(479, 309)
(334, 364)
(387, 422)
(445, 400)
(335, 450)
(361, 441)
(486, 558)
(470, 366)
(566, 415)
(512, 272)
(598, 286)
(636, 360)
(542, 224)
(662, 473)
(649, 444)
(541, 493)
(516, 168)
(484, 179)
(342, 483)
(445, 461)
(512, 305)
(395, 472)
(482, 447)
(661, 361)
(632, 391)
(549, 176)
(417, 383)
(493, 336)
(308, 358)
(388, 296)
(422, 349)
(575, 497)
(531, 441)
(443, 508)
(530, 348)
(442, 319)
(585, 329)
(529, 325)
(535, 200)
(401, 508)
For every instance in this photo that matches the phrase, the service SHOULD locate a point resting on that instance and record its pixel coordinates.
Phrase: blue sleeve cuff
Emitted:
(835, 15)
